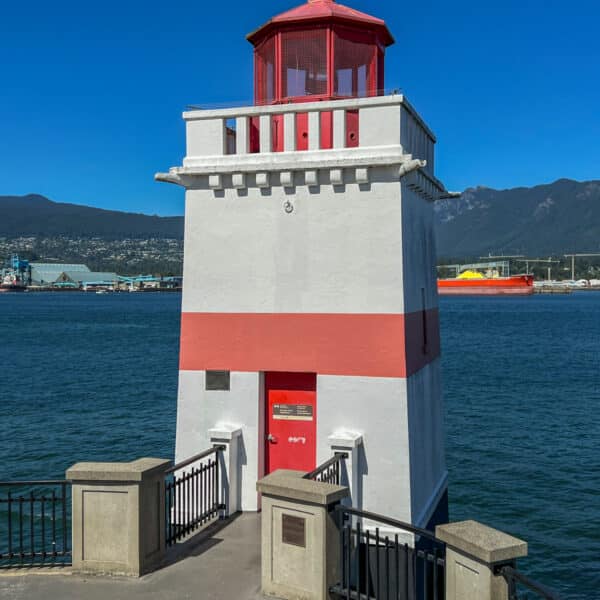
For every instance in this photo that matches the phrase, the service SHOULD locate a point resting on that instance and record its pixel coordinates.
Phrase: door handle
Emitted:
(271, 438)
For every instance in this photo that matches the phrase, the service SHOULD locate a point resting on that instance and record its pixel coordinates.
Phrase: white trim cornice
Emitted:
(377, 156)
(360, 160)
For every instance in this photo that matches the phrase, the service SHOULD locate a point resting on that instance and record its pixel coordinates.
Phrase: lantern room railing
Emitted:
(351, 124)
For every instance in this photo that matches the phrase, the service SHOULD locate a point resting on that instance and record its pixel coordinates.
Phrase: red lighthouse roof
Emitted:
(323, 11)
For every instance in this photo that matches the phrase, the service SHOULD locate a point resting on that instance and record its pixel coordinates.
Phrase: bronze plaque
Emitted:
(293, 530)
(293, 412)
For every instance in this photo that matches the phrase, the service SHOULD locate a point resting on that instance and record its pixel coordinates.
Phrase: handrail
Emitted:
(511, 575)
(430, 535)
(389, 521)
(337, 457)
(195, 458)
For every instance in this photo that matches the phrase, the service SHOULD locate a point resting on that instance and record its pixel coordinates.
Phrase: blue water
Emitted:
(94, 377)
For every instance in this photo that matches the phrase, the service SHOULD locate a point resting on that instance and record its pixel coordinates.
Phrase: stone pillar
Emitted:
(118, 516)
(473, 551)
(231, 465)
(350, 442)
(300, 536)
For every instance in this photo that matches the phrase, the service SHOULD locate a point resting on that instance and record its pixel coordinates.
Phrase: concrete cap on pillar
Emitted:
(345, 439)
(290, 485)
(482, 542)
(224, 432)
(136, 470)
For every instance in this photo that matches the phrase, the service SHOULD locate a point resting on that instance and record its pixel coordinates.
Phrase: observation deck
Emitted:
(235, 147)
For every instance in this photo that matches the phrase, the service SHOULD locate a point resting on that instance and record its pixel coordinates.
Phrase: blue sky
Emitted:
(92, 93)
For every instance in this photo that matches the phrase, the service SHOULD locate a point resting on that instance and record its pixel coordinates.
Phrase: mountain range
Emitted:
(554, 218)
(35, 215)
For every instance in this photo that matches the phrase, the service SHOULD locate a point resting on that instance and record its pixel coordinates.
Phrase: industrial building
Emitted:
(48, 273)
(65, 274)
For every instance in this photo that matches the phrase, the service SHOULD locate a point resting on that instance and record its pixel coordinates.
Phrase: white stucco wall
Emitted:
(402, 467)
(339, 251)
(199, 410)
(376, 408)
(419, 251)
(426, 441)
(402, 464)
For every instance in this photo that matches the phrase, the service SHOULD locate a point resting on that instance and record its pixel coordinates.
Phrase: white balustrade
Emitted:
(382, 121)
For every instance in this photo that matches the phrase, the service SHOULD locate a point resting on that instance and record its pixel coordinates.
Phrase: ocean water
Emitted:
(94, 377)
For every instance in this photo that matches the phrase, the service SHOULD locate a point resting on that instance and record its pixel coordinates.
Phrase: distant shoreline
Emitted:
(38, 290)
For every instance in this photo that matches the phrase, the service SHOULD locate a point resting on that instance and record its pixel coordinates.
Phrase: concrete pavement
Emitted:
(221, 563)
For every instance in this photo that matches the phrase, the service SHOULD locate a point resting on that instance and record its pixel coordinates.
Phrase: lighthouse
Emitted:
(310, 311)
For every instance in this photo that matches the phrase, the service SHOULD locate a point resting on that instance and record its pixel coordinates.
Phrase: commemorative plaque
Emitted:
(293, 412)
(293, 531)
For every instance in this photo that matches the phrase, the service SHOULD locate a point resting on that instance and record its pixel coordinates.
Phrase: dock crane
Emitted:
(573, 256)
(548, 261)
(19, 268)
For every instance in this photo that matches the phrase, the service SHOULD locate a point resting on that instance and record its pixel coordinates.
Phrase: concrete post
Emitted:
(205, 137)
(265, 133)
(314, 130)
(350, 442)
(473, 551)
(118, 516)
(300, 536)
(231, 465)
(289, 132)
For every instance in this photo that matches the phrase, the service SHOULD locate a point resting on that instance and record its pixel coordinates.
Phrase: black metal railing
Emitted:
(534, 589)
(194, 494)
(35, 523)
(377, 566)
(330, 470)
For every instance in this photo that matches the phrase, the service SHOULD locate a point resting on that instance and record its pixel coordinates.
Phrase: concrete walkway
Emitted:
(221, 563)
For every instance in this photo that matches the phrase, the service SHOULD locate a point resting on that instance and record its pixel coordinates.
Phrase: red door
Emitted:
(291, 421)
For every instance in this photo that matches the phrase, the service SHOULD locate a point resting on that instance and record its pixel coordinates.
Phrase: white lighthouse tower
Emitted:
(310, 307)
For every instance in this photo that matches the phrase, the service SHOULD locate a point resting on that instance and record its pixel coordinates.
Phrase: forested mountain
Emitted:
(36, 215)
(557, 218)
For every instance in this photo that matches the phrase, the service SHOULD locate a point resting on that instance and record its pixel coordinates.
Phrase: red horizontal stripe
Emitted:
(372, 345)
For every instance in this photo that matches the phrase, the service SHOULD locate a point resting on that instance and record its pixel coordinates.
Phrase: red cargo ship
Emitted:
(515, 285)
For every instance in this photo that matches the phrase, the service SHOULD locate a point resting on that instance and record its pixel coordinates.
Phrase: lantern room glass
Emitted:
(354, 64)
(318, 63)
(304, 63)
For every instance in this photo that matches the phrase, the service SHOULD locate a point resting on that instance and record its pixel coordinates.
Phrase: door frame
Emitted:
(264, 416)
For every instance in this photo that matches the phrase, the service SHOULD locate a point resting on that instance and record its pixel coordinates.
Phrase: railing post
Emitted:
(339, 128)
(300, 536)
(265, 133)
(473, 552)
(379, 125)
(314, 130)
(205, 137)
(230, 466)
(350, 442)
(289, 131)
(118, 516)
(242, 132)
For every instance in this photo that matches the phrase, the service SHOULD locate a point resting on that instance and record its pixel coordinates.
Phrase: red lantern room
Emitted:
(320, 50)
